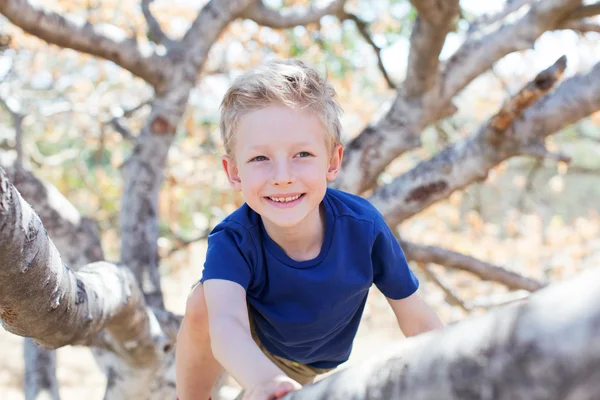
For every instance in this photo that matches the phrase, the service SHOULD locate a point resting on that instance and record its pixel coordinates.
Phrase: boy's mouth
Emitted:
(286, 199)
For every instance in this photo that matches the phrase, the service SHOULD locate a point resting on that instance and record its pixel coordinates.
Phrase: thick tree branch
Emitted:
(470, 160)
(485, 271)
(76, 237)
(546, 348)
(368, 154)
(87, 38)
(263, 15)
(435, 20)
(486, 20)
(204, 31)
(478, 55)
(43, 299)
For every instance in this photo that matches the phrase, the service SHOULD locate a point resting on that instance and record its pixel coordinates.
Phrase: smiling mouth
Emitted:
(287, 199)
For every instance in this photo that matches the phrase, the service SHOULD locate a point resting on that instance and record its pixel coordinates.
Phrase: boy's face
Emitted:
(281, 163)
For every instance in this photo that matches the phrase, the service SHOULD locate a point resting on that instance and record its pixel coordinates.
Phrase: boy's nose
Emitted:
(282, 174)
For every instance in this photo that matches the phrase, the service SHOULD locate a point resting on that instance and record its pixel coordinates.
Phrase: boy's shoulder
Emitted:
(243, 219)
(350, 205)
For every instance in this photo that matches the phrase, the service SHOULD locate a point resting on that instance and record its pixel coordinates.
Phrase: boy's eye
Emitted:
(303, 154)
(258, 158)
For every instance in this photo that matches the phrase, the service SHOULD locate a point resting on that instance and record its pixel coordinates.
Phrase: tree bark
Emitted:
(40, 372)
(547, 348)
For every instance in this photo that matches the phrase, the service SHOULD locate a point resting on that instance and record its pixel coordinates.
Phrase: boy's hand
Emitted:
(276, 388)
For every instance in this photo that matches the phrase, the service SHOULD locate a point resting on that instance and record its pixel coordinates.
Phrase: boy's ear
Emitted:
(232, 173)
(335, 162)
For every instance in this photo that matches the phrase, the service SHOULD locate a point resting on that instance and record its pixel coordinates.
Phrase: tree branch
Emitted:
(156, 34)
(56, 306)
(205, 30)
(486, 20)
(547, 347)
(399, 130)
(478, 55)
(470, 160)
(76, 237)
(581, 26)
(13, 107)
(485, 271)
(590, 10)
(451, 297)
(87, 38)
(263, 15)
(435, 20)
(363, 29)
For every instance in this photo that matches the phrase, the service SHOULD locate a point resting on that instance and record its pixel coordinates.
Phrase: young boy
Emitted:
(286, 276)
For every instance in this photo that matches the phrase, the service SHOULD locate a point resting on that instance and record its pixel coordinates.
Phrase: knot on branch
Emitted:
(424, 192)
(161, 126)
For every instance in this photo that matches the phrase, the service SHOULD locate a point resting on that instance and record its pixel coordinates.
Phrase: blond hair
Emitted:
(288, 82)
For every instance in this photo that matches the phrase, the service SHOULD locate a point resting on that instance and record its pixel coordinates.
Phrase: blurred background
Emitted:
(79, 114)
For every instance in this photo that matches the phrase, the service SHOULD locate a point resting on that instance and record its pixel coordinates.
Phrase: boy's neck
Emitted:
(302, 242)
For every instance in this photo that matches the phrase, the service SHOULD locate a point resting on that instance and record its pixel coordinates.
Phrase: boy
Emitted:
(286, 276)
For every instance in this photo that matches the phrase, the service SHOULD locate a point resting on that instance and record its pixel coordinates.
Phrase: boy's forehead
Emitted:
(279, 125)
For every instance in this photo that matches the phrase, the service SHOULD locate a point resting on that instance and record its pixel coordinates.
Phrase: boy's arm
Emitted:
(231, 340)
(414, 315)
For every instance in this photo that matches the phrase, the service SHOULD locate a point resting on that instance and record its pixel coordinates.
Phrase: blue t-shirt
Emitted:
(309, 311)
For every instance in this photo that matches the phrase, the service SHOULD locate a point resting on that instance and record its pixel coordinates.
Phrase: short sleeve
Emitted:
(230, 256)
(391, 273)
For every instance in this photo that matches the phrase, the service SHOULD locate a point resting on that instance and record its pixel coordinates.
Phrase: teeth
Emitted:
(284, 199)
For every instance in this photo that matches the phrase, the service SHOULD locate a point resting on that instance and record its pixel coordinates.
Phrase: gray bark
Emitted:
(546, 349)
(78, 241)
(56, 306)
(138, 339)
(40, 372)
(415, 107)
(469, 161)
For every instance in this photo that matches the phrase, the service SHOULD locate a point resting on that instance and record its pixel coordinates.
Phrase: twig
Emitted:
(14, 109)
(450, 259)
(451, 296)
(363, 29)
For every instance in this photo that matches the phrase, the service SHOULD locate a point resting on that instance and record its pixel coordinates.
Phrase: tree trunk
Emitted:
(547, 348)
(40, 372)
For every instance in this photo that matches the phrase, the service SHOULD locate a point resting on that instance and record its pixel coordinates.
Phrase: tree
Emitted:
(131, 333)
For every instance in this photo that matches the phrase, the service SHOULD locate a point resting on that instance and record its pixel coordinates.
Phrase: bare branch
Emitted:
(539, 150)
(205, 30)
(76, 237)
(87, 38)
(487, 19)
(581, 26)
(451, 297)
(590, 10)
(547, 347)
(435, 20)
(399, 130)
(263, 15)
(156, 33)
(532, 92)
(13, 107)
(478, 55)
(116, 123)
(485, 271)
(363, 29)
(56, 306)
(470, 160)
